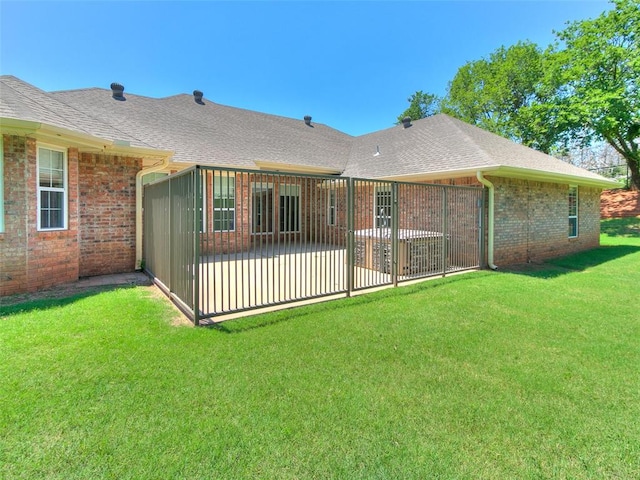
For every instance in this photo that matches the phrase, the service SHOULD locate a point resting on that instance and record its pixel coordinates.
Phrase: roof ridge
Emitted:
(85, 89)
(113, 127)
(108, 90)
(456, 123)
(177, 95)
(42, 92)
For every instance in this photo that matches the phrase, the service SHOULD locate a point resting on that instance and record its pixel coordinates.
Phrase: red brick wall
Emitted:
(100, 237)
(107, 213)
(531, 221)
(313, 208)
(33, 260)
(620, 203)
(13, 242)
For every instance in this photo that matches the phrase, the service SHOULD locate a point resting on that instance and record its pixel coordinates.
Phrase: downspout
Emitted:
(490, 225)
(155, 168)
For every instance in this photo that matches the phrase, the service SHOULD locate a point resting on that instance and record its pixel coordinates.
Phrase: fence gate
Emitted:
(228, 240)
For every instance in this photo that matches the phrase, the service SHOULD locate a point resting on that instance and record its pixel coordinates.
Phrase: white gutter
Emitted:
(490, 225)
(155, 168)
(596, 181)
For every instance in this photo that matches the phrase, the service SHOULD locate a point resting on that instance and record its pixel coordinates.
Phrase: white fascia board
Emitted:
(441, 174)
(290, 168)
(13, 126)
(511, 172)
(554, 177)
(83, 141)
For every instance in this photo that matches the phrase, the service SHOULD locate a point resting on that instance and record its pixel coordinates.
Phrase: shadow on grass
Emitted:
(621, 227)
(261, 320)
(574, 263)
(51, 299)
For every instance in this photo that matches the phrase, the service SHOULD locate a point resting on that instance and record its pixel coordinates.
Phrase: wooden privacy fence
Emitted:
(226, 240)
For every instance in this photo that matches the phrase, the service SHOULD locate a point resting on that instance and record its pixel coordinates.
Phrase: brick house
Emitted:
(74, 162)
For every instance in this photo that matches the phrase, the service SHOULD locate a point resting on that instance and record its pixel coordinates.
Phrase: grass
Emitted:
(523, 374)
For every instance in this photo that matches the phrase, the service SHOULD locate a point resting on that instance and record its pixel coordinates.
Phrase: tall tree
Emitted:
(580, 91)
(421, 105)
(597, 80)
(502, 94)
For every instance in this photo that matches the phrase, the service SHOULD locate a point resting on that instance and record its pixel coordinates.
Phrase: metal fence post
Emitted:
(394, 234)
(350, 266)
(481, 246)
(445, 232)
(197, 228)
(171, 237)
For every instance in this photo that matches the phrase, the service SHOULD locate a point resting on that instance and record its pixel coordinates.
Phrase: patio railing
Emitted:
(219, 241)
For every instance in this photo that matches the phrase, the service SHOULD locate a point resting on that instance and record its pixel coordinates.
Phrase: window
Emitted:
(573, 212)
(289, 208)
(224, 204)
(382, 207)
(331, 208)
(202, 209)
(262, 207)
(153, 176)
(52, 189)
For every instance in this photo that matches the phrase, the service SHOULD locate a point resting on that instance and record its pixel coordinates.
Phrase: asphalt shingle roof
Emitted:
(213, 134)
(443, 144)
(22, 101)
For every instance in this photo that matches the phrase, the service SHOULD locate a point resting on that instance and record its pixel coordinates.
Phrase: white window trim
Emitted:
(64, 189)
(225, 209)
(259, 187)
(331, 205)
(153, 177)
(203, 207)
(282, 187)
(376, 213)
(576, 216)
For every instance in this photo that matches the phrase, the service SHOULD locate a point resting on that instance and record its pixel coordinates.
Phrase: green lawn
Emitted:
(523, 374)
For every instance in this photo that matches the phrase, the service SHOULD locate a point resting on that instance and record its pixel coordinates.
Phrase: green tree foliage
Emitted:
(583, 89)
(421, 105)
(501, 94)
(597, 78)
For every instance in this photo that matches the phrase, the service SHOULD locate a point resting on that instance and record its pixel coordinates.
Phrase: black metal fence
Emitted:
(219, 241)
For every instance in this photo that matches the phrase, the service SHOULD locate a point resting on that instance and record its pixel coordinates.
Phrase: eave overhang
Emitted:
(291, 168)
(84, 142)
(510, 172)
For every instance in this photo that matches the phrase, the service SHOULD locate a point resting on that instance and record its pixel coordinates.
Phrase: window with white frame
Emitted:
(382, 207)
(202, 210)
(573, 211)
(289, 208)
(52, 189)
(331, 207)
(152, 177)
(262, 201)
(224, 203)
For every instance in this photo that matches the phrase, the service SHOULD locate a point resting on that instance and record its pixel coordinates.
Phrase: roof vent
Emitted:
(406, 122)
(117, 91)
(307, 119)
(197, 96)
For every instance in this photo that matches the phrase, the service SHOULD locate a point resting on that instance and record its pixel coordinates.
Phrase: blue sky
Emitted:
(351, 65)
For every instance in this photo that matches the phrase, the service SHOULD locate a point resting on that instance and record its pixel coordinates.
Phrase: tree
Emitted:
(597, 78)
(502, 94)
(580, 91)
(421, 105)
